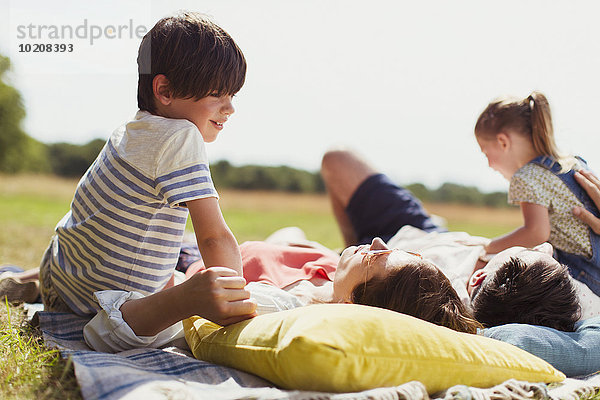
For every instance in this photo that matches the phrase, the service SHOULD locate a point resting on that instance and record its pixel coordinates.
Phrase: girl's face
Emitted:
(497, 155)
(358, 264)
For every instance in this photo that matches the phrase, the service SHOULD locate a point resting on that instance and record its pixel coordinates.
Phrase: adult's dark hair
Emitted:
(197, 56)
(538, 294)
(421, 290)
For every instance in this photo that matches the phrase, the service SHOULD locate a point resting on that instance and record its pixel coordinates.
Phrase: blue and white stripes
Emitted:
(125, 226)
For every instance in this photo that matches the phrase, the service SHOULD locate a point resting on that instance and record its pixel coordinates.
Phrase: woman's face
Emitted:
(358, 264)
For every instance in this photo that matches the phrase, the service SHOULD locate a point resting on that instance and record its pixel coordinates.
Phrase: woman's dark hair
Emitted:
(197, 56)
(421, 290)
(538, 294)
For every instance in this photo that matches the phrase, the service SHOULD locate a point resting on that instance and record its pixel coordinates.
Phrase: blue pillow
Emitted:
(573, 353)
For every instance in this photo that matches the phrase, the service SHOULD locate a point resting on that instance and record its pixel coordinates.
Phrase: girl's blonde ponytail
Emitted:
(542, 132)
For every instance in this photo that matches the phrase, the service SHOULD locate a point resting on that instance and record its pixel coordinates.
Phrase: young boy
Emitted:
(128, 216)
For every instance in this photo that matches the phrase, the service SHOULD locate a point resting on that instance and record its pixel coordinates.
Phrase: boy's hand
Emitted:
(218, 294)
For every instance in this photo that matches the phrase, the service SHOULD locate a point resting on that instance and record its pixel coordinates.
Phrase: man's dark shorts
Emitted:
(379, 208)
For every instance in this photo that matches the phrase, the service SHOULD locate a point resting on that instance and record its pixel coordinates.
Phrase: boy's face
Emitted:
(208, 114)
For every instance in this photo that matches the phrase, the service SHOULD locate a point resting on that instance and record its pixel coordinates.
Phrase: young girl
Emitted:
(517, 138)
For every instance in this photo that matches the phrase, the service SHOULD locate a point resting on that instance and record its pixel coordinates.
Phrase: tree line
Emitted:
(72, 160)
(459, 194)
(21, 153)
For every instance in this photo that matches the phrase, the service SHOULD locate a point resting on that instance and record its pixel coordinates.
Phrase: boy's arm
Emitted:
(536, 230)
(216, 294)
(217, 244)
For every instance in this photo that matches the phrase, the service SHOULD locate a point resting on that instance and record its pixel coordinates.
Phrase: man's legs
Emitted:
(366, 203)
(343, 172)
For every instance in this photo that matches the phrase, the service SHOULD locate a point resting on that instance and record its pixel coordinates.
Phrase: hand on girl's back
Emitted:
(591, 184)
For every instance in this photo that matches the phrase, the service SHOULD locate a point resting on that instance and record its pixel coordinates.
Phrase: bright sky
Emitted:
(401, 81)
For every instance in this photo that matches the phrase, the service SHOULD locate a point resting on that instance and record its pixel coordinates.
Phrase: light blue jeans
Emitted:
(573, 353)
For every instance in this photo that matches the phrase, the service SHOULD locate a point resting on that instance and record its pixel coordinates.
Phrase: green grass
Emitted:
(30, 207)
(29, 370)
(320, 228)
(28, 224)
(478, 221)
(480, 229)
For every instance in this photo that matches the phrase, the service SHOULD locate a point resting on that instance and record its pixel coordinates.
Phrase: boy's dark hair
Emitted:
(198, 58)
(538, 294)
(421, 290)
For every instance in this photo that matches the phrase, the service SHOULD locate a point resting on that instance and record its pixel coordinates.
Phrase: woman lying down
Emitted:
(288, 271)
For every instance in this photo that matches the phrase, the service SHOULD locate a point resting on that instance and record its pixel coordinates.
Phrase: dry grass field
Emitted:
(31, 205)
(480, 221)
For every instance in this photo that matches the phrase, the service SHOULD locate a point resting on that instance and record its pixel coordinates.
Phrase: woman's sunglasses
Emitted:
(387, 251)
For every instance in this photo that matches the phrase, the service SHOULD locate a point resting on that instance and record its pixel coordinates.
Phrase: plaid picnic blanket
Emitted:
(174, 373)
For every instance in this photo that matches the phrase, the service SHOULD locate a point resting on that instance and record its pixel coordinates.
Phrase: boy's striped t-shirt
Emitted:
(128, 215)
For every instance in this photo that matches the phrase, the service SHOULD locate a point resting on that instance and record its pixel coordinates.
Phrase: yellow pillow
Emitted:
(348, 348)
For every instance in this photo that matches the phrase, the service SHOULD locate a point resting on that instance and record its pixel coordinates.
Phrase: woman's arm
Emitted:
(536, 230)
(590, 183)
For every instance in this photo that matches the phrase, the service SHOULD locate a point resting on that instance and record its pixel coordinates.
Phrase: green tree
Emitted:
(257, 177)
(420, 191)
(455, 193)
(496, 199)
(18, 151)
(73, 160)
